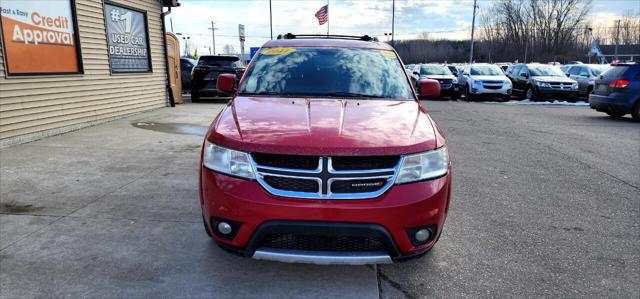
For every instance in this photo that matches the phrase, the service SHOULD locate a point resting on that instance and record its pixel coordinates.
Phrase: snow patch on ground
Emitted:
(554, 103)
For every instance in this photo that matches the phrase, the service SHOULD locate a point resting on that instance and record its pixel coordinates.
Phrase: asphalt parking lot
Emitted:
(546, 203)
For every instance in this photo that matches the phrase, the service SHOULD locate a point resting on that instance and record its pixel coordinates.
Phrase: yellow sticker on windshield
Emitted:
(277, 51)
(388, 54)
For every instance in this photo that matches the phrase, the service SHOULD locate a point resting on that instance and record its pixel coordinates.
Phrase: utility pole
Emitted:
(393, 23)
(270, 19)
(213, 36)
(171, 22)
(590, 42)
(617, 39)
(473, 28)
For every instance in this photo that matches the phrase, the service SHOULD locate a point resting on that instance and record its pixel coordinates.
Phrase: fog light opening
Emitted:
(224, 228)
(422, 235)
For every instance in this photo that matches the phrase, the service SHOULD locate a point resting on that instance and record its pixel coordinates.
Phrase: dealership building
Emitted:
(68, 64)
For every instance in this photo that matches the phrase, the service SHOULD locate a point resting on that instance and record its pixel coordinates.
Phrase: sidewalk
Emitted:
(112, 211)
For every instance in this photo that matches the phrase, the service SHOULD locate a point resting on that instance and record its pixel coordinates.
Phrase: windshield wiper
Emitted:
(352, 95)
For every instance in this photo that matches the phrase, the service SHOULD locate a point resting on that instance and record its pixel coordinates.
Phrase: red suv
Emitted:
(325, 155)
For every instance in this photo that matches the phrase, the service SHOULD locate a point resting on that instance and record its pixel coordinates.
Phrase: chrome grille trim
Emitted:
(327, 177)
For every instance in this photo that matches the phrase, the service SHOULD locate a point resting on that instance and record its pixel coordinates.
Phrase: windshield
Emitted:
(598, 69)
(338, 72)
(543, 70)
(434, 70)
(486, 70)
(219, 61)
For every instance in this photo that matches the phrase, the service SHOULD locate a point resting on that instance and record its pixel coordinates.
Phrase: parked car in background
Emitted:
(325, 155)
(186, 66)
(454, 69)
(483, 80)
(205, 75)
(585, 75)
(536, 81)
(448, 82)
(617, 91)
(503, 65)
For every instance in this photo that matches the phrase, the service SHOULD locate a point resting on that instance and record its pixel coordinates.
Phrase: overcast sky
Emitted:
(440, 18)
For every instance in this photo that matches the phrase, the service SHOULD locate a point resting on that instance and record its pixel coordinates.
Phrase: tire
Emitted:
(635, 111)
(615, 114)
(531, 95)
(467, 94)
(506, 98)
(206, 227)
(195, 97)
(455, 96)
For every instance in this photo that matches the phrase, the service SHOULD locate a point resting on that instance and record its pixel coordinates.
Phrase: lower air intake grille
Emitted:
(322, 243)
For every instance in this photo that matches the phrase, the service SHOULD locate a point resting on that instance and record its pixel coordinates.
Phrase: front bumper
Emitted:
(481, 90)
(556, 93)
(389, 217)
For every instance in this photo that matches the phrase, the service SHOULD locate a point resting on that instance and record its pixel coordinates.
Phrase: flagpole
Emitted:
(327, 17)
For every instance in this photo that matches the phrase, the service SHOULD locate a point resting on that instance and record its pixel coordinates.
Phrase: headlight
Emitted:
(227, 161)
(424, 166)
(477, 83)
(543, 84)
(507, 83)
(574, 85)
(454, 81)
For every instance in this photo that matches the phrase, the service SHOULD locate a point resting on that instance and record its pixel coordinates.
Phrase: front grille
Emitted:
(492, 86)
(558, 85)
(339, 177)
(445, 81)
(364, 162)
(322, 243)
(292, 184)
(286, 161)
(357, 186)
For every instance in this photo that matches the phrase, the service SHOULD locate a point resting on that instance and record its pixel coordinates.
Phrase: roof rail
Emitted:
(365, 38)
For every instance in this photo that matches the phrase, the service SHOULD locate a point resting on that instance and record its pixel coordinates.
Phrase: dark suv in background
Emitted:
(205, 75)
(540, 81)
(617, 91)
(448, 82)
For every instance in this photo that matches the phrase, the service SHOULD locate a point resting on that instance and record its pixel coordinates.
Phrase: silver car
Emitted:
(585, 75)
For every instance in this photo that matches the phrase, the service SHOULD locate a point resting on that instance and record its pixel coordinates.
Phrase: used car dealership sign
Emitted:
(40, 37)
(127, 39)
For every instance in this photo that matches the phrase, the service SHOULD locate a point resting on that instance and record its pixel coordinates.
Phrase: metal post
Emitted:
(213, 36)
(393, 23)
(590, 42)
(617, 39)
(473, 28)
(171, 22)
(328, 18)
(270, 19)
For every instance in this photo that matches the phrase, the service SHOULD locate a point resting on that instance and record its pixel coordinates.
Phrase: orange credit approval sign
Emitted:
(39, 37)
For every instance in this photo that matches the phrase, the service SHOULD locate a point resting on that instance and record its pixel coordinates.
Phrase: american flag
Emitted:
(323, 14)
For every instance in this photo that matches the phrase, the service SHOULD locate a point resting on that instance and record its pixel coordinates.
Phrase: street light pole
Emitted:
(473, 28)
(617, 38)
(393, 23)
(270, 19)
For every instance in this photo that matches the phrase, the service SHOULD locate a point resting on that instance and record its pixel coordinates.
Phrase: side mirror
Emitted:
(240, 71)
(524, 75)
(226, 83)
(568, 75)
(428, 88)
(416, 73)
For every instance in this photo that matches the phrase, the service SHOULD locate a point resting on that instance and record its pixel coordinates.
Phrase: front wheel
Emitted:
(455, 96)
(531, 94)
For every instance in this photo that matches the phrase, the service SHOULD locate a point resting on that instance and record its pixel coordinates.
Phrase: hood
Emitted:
(310, 126)
(436, 77)
(490, 78)
(553, 79)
